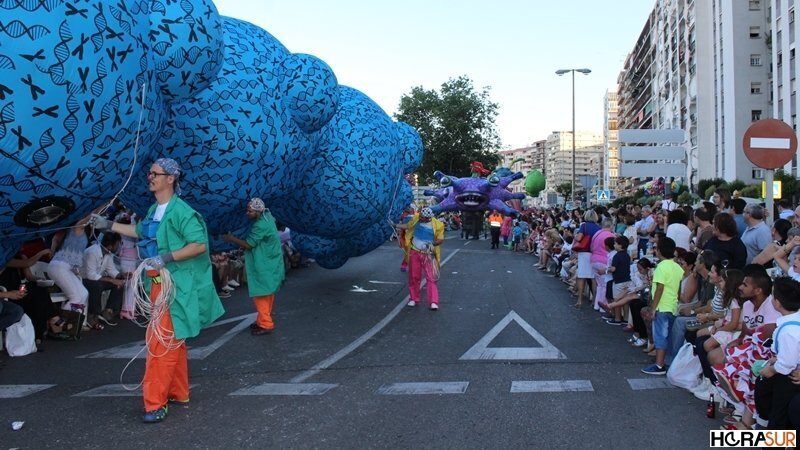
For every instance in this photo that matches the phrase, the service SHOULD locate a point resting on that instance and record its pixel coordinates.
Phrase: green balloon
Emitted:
(534, 183)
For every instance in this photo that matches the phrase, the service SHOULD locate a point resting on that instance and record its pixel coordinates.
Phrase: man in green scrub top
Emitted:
(263, 263)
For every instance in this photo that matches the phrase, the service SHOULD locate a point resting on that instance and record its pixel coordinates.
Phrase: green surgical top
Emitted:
(264, 261)
(196, 303)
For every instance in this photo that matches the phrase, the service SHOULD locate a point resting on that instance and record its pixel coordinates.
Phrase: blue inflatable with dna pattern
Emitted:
(92, 92)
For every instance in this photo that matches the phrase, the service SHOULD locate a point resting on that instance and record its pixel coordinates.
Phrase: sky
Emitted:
(384, 49)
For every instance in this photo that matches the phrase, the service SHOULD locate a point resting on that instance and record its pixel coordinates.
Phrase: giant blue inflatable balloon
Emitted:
(90, 87)
(78, 85)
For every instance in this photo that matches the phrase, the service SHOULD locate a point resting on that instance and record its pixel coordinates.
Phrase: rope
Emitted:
(150, 313)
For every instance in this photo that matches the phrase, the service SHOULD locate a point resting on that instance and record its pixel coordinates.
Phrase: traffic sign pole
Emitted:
(769, 199)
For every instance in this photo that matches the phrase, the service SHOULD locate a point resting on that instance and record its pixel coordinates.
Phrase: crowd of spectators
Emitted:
(714, 276)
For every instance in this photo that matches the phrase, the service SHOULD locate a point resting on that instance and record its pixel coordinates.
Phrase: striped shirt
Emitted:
(717, 306)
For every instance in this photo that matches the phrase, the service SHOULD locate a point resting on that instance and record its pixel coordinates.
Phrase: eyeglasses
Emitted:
(155, 174)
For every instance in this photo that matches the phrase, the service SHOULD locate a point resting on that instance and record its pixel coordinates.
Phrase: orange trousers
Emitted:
(263, 305)
(166, 373)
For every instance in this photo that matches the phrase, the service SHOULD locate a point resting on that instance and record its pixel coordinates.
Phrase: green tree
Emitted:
(789, 184)
(565, 189)
(685, 198)
(736, 185)
(752, 191)
(703, 185)
(456, 124)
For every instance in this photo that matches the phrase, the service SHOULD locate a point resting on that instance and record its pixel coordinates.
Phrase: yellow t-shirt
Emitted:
(669, 274)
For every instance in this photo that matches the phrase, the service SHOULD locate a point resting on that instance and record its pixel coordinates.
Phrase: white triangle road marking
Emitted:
(481, 349)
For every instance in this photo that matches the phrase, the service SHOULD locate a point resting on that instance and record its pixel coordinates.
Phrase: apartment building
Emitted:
(589, 150)
(704, 69)
(782, 42)
(740, 40)
(610, 143)
(518, 160)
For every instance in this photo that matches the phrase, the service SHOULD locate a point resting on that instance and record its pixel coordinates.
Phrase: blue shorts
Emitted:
(662, 325)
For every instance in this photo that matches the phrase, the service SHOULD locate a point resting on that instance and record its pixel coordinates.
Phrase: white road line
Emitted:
(384, 282)
(640, 384)
(778, 143)
(426, 388)
(21, 390)
(134, 349)
(333, 359)
(551, 386)
(115, 390)
(286, 389)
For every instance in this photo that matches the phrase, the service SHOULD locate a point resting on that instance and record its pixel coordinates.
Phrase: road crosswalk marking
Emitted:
(551, 386)
(286, 389)
(445, 387)
(21, 390)
(640, 384)
(135, 349)
(116, 390)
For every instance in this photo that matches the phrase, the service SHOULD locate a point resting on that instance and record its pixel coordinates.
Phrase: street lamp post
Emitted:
(559, 73)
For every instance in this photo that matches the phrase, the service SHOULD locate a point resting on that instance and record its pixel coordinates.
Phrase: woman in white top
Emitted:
(677, 229)
(64, 267)
(633, 237)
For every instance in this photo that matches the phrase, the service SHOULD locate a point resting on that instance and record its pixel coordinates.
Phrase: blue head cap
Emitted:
(171, 167)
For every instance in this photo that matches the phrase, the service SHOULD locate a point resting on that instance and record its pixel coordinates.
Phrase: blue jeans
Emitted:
(677, 336)
(662, 326)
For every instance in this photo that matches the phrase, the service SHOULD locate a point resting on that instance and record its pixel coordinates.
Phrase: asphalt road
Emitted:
(419, 379)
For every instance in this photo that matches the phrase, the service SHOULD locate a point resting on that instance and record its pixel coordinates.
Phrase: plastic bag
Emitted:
(685, 370)
(21, 338)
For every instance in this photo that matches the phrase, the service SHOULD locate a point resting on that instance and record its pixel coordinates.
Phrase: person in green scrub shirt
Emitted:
(172, 236)
(263, 263)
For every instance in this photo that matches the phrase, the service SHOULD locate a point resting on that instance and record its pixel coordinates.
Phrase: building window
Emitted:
(755, 88)
(758, 174)
(755, 32)
(755, 115)
(755, 60)
(755, 5)
(780, 58)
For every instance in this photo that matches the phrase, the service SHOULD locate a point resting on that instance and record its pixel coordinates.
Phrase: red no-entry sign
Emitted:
(769, 143)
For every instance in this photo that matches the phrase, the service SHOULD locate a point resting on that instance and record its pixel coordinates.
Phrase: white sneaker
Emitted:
(411, 303)
(233, 283)
(434, 306)
(639, 342)
(227, 288)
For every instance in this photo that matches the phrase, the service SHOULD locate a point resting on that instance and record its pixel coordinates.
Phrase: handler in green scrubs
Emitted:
(172, 235)
(263, 263)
